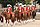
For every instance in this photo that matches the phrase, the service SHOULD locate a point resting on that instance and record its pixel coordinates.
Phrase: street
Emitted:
(29, 24)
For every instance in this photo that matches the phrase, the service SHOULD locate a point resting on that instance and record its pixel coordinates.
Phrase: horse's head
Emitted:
(3, 13)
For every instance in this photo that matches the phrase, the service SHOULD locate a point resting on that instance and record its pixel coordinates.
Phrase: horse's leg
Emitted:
(33, 15)
(26, 17)
(29, 15)
(22, 17)
(19, 18)
(16, 17)
(6, 20)
(2, 19)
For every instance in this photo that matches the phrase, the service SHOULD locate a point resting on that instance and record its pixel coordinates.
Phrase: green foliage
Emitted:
(28, 2)
(13, 2)
(20, 1)
(1, 1)
(9, 0)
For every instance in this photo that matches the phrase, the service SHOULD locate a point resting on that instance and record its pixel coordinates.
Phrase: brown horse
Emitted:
(22, 16)
(8, 16)
(29, 15)
(5, 15)
(17, 14)
(13, 19)
(25, 13)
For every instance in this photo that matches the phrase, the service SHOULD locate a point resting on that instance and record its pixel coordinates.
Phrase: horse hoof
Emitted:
(18, 20)
(26, 22)
(33, 20)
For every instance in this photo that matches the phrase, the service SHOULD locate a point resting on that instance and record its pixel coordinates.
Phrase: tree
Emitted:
(1, 1)
(28, 2)
(38, 1)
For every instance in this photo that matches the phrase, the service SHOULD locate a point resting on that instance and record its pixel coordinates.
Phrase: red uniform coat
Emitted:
(33, 7)
(10, 9)
(20, 9)
(25, 10)
(28, 9)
